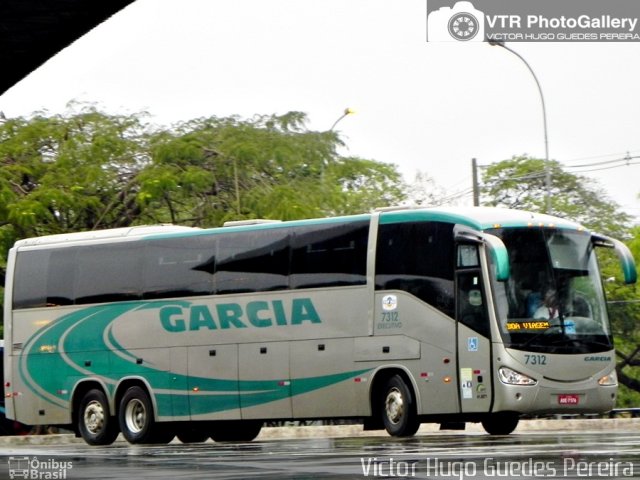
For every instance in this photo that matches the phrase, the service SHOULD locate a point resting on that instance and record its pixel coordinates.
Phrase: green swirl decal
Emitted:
(55, 358)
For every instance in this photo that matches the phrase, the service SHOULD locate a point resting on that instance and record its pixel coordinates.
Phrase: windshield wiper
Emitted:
(541, 334)
(595, 343)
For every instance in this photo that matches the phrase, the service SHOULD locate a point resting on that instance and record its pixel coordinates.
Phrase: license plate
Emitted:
(568, 399)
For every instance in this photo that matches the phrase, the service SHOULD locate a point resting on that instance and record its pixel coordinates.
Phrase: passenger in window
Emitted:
(549, 308)
(473, 313)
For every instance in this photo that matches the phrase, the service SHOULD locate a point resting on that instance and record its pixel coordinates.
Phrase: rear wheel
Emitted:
(236, 431)
(135, 417)
(399, 409)
(501, 423)
(95, 423)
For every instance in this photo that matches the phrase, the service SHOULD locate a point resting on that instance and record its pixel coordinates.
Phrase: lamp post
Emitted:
(347, 111)
(547, 169)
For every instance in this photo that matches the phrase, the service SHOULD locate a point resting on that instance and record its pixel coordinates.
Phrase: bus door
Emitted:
(473, 332)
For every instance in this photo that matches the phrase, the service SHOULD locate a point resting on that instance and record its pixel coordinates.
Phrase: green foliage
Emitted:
(624, 311)
(520, 183)
(216, 169)
(62, 174)
(89, 170)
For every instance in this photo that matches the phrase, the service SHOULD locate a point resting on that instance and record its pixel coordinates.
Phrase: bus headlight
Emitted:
(609, 380)
(511, 377)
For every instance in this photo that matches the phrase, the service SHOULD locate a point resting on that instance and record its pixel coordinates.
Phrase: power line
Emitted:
(609, 168)
(625, 161)
(530, 176)
(617, 154)
(606, 162)
(456, 195)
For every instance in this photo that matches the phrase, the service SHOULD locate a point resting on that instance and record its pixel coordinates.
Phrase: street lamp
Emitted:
(547, 169)
(347, 111)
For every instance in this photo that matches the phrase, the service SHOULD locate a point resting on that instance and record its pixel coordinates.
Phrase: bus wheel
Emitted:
(135, 416)
(95, 424)
(236, 431)
(500, 423)
(398, 409)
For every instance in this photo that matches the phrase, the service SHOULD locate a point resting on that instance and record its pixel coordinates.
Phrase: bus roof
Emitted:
(479, 218)
(108, 234)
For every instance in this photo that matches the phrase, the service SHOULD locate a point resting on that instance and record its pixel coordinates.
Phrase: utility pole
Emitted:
(476, 187)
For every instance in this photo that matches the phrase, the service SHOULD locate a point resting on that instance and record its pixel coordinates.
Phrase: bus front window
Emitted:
(553, 301)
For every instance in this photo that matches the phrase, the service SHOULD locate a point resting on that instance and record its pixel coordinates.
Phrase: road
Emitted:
(530, 454)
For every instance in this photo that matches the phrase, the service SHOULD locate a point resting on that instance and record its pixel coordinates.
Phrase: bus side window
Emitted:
(179, 267)
(30, 284)
(61, 275)
(418, 258)
(252, 263)
(108, 273)
(471, 304)
(329, 256)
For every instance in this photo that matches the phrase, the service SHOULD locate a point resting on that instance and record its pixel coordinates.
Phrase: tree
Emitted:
(423, 191)
(211, 170)
(62, 174)
(89, 170)
(520, 183)
(624, 310)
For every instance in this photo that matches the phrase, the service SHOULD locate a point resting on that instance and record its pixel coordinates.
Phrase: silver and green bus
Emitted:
(392, 318)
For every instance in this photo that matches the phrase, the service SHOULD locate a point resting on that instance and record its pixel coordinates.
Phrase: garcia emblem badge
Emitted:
(389, 303)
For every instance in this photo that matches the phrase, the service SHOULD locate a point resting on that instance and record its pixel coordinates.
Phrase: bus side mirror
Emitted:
(499, 255)
(496, 247)
(627, 262)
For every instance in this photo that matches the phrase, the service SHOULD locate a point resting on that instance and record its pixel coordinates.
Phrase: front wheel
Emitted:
(501, 423)
(95, 424)
(399, 409)
(135, 417)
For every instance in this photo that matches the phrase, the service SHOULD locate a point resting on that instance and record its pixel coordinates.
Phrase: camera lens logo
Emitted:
(460, 23)
(463, 26)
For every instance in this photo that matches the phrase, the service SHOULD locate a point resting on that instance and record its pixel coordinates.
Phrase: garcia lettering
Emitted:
(258, 314)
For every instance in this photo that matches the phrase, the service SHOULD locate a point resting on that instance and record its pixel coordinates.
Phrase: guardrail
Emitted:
(615, 413)
(632, 412)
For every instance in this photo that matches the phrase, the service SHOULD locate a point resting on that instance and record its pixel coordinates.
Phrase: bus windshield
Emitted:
(553, 301)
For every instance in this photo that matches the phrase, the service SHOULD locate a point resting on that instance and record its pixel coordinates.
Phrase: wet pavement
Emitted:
(561, 454)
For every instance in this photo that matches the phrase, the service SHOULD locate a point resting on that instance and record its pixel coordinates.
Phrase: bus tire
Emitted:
(135, 417)
(500, 423)
(398, 408)
(236, 431)
(95, 424)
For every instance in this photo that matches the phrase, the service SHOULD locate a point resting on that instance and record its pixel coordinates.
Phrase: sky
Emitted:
(424, 106)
